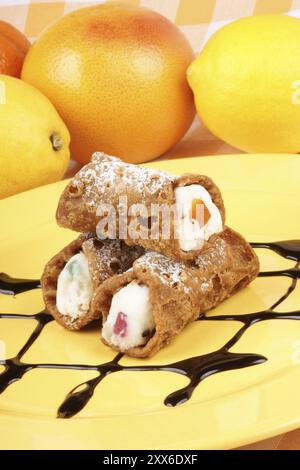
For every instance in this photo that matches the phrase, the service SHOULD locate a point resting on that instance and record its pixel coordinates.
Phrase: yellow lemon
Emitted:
(246, 83)
(34, 141)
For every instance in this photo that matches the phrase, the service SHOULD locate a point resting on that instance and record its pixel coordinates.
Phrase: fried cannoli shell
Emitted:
(105, 259)
(180, 292)
(107, 178)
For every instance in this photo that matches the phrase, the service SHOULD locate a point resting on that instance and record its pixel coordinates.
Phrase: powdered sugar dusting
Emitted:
(170, 272)
(112, 252)
(105, 171)
(208, 262)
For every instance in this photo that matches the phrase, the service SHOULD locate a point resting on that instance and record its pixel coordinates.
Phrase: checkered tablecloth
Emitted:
(198, 19)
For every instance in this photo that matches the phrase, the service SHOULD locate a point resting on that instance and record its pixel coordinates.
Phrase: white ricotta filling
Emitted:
(130, 321)
(74, 287)
(190, 233)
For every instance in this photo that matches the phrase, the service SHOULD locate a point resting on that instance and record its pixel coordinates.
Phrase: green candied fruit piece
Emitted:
(71, 267)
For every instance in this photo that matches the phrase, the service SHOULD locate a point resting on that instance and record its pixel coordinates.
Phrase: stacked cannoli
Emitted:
(144, 286)
(71, 277)
(107, 181)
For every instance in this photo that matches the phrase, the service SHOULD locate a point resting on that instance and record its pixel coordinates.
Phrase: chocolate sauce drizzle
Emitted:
(13, 286)
(196, 368)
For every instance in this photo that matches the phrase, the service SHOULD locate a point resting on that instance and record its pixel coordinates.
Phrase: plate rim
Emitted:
(272, 426)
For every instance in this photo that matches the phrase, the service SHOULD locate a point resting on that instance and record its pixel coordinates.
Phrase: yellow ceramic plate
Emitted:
(127, 409)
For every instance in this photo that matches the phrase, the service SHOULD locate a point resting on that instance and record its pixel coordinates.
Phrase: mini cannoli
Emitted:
(71, 277)
(144, 308)
(195, 199)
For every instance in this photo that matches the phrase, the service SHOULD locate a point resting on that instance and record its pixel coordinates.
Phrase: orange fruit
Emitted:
(116, 74)
(13, 48)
